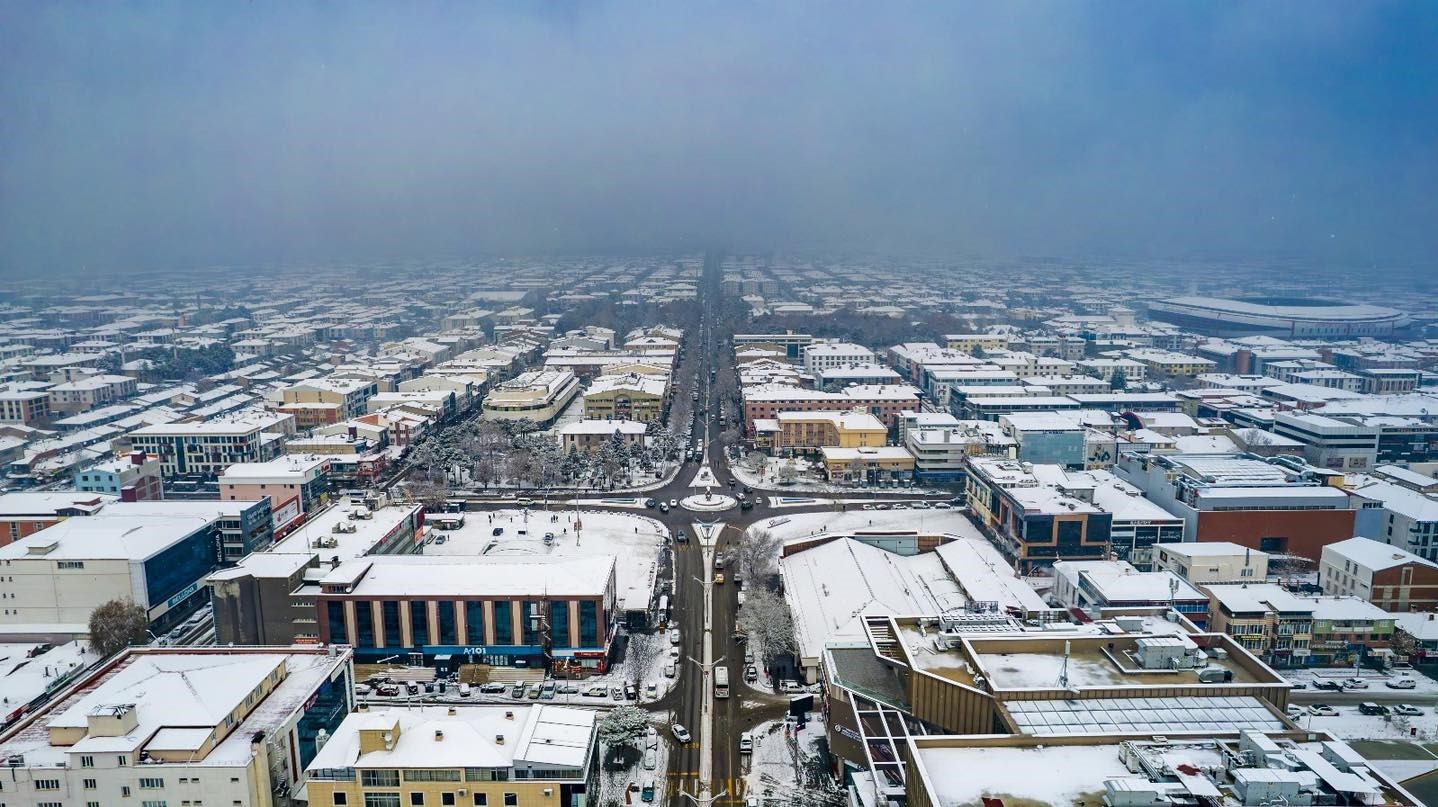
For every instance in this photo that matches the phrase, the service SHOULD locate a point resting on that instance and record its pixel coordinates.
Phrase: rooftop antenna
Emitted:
(1064, 670)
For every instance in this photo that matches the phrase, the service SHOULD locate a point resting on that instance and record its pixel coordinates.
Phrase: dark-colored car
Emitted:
(746, 504)
(1328, 686)
(498, 531)
(651, 503)
(1372, 709)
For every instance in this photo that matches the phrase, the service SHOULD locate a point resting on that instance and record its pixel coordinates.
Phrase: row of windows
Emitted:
(417, 799)
(447, 626)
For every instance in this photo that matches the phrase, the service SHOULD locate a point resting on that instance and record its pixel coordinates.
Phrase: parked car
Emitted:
(680, 733)
(670, 670)
(1372, 709)
(1401, 683)
(746, 742)
(1328, 686)
(498, 531)
(363, 689)
(548, 690)
(1322, 710)
(569, 689)
(387, 690)
(719, 578)
(465, 691)
(617, 693)
(647, 792)
(597, 691)
(1295, 711)
(492, 688)
(651, 690)
(748, 656)
(534, 692)
(791, 687)
(651, 759)
(751, 674)
(517, 692)
(674, 636)
(1407, 709)
(1354, 683)
(631, 693)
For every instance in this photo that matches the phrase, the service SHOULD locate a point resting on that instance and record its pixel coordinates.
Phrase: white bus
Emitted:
(721, 682)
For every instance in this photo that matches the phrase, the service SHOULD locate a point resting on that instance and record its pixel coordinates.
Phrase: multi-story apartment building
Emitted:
(296, 485)
(807, 432)
(885, 402)
(1391, 578)
(170, 726)
(205, 448)
(323, 401)
(535, 756)
(1266, 619)
(823, 355)
(84, 394)
(592, 435)
(26, 407)
(134, 477)
(631, 396)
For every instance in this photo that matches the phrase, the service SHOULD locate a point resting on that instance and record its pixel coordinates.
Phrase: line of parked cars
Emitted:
(1298, 712)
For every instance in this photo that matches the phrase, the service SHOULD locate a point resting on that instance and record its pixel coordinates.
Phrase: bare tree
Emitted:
(757, 555)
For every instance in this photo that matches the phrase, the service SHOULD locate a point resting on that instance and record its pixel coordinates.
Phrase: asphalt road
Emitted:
(746, 707)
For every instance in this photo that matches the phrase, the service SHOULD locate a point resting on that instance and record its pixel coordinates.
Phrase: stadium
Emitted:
(1286, 316)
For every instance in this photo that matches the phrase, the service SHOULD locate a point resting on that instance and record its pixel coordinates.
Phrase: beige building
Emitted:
(1211, 562)
(169, 726)
(626, 397)
(539, 395)
(491, 756)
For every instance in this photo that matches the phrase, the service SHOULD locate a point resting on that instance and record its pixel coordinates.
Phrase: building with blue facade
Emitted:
(156, 554)
(502, 611)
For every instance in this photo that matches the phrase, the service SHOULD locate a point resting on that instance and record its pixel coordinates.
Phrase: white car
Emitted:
(680, 733)
(1354, 683)
(673, 502)
(791, 687)
(1322, 710)
(1401, 683)
(651, 690)
(1407, 709)
(670, 670)
(674, 636)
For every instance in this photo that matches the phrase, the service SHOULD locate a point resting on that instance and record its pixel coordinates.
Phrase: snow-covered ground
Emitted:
(1350, 724)
(800, 525)
(785, 761)
(634, 540)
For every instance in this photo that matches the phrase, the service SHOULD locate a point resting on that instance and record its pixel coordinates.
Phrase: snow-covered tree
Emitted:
(623, 726)
(765, 617)
(116, 625)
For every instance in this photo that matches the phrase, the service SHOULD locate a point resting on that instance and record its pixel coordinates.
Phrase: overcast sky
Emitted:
(158, 135)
